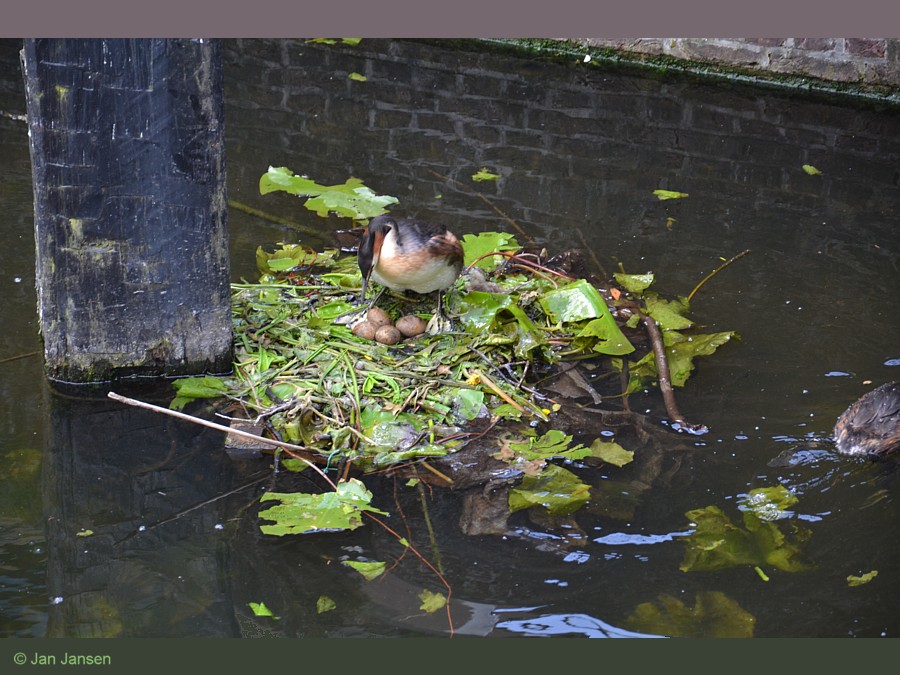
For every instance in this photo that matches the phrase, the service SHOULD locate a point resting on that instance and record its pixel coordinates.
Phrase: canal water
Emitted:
(117, 523)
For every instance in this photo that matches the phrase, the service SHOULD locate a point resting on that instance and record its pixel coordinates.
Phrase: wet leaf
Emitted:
(303, 513)
(634, 283)
(260, 609)
(669, 314)
(662, 195)
(716, 543)
(431, 602)
(860, 580)
(770, 503)
(351, 199)
(811, 170)
(714, 614)
(556, 489)
(611, 452)
(191, 388)
(357, 77)
(369, 570)
(325, 604)
(333, 41)
(554, 443)
(483, 174)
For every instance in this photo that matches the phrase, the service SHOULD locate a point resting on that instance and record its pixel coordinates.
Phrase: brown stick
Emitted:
(665, 379)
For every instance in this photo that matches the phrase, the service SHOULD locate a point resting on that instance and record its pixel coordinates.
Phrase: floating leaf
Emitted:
(770, 503)
(716, 543)
(84, 533)
(483, 175)
(635, 283)
(811, 170)
(431, 602)
(669, 314)
(191, 388)
(669, 194)
(325, 604)
(860, 580)
(578, 301)
(714, 614)
(369, 570)
(333, 41)
(351, 199)
(260, 609)
(554, 443)
(303, 513)
(611, 452)
(357, 77)
(556, 489)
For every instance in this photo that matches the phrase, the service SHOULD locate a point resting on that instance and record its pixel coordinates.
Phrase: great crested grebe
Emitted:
(410, 255)
(871, 425)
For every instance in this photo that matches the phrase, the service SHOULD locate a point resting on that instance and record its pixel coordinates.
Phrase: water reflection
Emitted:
(579, 151)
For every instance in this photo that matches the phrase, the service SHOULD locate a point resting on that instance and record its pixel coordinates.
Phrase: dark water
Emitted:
(579, 150)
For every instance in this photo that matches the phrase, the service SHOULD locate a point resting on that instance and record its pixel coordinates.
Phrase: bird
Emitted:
(871, 425)
(404, 254)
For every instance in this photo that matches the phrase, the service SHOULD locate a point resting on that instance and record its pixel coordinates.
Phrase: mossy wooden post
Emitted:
(128, 159)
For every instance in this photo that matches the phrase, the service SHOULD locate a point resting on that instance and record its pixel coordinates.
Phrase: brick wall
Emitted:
(862, 61)
(579, 150)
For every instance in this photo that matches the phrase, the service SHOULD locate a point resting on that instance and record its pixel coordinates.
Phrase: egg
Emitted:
(410, 325)
(387, 335)
(378, 317)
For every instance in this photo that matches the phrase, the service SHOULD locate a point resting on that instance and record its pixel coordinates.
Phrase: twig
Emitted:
(665, 379)
(221, 427)
(716, 271)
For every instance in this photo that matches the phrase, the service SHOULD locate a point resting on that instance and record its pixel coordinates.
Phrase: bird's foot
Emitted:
(438, 324)
(352, 318)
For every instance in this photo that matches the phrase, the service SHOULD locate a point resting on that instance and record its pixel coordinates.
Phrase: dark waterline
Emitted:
(579, 151)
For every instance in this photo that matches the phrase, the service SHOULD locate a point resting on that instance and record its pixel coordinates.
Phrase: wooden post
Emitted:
(128, 160)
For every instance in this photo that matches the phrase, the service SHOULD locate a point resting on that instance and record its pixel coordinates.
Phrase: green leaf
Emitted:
(556, 489)
(611, 452)
(357, 77)
(477, 245)
(431, 602)
(716, 543)
(191, 388)
(303, 513)
(769, 503)
(369, 570)
(578, 301)
(575, 301)
(811, 170)
(325, 604)
(669, 314)
(351, 199)
(864, 579)
(260, 609)
(483, 175)
(714, 614)
(662, 195)
(634, 283)
(554, 443)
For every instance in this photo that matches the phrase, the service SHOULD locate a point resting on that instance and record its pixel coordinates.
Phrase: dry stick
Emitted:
(665, 379)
